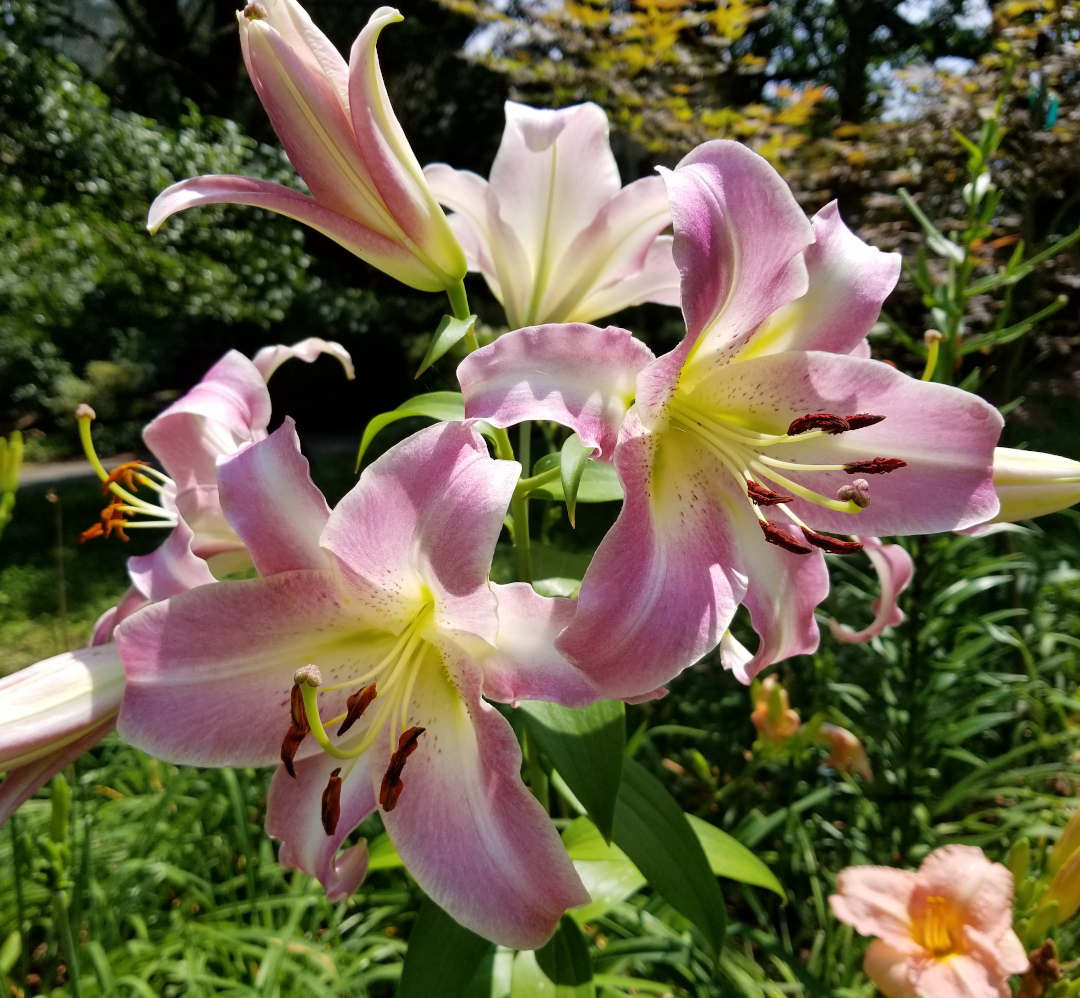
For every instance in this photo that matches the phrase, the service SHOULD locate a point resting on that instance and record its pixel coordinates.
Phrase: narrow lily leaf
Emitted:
(605, 870)
(934, 239)
(442, 406)
(565, 959)
(575, 458)
(382, 855)
(586, 746)
(598, 483)
(530, 981)
(728, 857)
(652, 830)
(449, 332)
(442, 957)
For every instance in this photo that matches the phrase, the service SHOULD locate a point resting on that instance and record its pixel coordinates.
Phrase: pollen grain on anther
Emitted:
(834, 545)
(761, 496)
(356, 705)
(827, 421)
(331, 802)
(781, 538)
(875, 466)
(391, 782)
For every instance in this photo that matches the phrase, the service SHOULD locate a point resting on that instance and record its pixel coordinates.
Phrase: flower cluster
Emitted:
(366, 652)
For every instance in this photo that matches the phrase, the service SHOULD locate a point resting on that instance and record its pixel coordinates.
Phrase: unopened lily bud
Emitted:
(83, 411)
(1030, 484)
(772, 714)
(1018, 860)
(308, 674)
(1067, 844)
(857, 492)
(846, 752)
(1064, 890)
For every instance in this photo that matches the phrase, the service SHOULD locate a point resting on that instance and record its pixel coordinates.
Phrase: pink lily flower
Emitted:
(556, 236)
(895, 570)
(229, 408)
(340, 132)
(376, 621)
(748, 442)
(944, 932)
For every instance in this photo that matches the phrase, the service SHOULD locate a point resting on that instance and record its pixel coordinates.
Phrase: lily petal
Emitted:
(525, 665)
(269, 359)
(539, 373)
(209, 672)
(875, 900)
(890, 969)
(945, 435)
(980, 889)
(170, 569)
(895, 570)
(657, 281)
(434, 504)
(849, 282)
(961, 976)
(273, 505)
(472, 835)
(656, 596)
(365, 242)
(739, 242)
(293, 810)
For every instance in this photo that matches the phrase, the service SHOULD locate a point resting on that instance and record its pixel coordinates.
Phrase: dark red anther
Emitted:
(293, 737)
(834, 545)
(775, 535)
(391, 781)
(296, 709)
(877, 466)
(331, 802)
(761, 496)
(862, 419)
(827, 421)
(356, 705)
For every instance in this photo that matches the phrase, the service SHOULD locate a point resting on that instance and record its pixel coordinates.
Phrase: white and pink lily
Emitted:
(750, 440)
(377, 620)
(340, 132)
(556, 236)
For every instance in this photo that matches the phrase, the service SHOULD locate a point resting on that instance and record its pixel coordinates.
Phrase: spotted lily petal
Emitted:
(537, 373)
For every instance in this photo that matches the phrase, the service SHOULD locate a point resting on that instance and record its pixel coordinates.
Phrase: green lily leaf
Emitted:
(598, 483)
(442, 406)
(382, 855)
(442, 957)
(585, 744)
(728, 857)
(449, 332)
(652, 830)
(529, 981)
(575, 458)
(605, 870)
(565, 959)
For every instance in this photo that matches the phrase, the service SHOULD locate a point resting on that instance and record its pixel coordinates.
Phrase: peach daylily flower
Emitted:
(943, 932)
(772, 714)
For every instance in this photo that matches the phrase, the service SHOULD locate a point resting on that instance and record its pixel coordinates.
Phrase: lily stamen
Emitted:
(391, 783)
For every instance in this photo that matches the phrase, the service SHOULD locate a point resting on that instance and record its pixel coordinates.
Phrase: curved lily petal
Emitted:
(22, 782)
(895, 570)
(434, 503)
(365, 242)
(308, 43)
(951, 480)
(170, 569)
(293, 815)
(875, 899)
(890, 969)
(477, 842)
(209, 672)
(525, 665)
(659, 592)
(849, 282)
(389, 158)
(273, 505)
(269, 359)
(739, 242)
(1031, 484)
(960, 976)
(537, 373)
(981, 890)
(657, 281)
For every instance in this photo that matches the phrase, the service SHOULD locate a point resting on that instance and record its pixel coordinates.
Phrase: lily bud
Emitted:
(846, 752)
(1030, 484)
(772, 714)
(1067, 844)
(336, 123)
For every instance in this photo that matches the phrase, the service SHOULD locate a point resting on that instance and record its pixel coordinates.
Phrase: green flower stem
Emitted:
(60, 913)
(459, 305)
(527, 485)
(520, 507)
